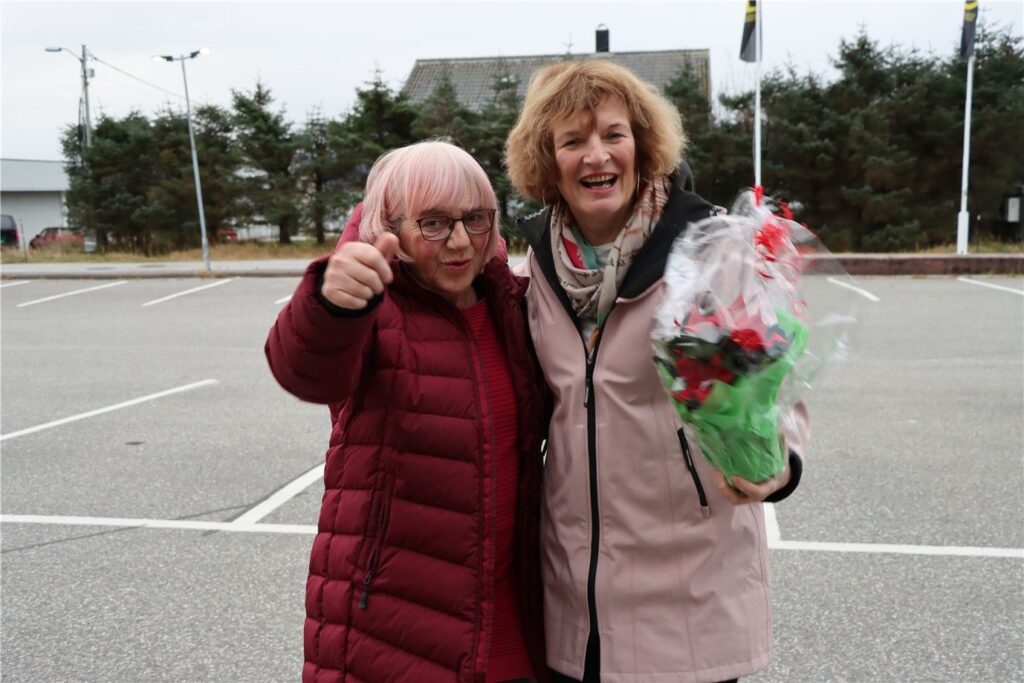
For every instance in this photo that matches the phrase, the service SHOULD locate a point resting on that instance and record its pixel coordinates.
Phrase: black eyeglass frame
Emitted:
(453, 220)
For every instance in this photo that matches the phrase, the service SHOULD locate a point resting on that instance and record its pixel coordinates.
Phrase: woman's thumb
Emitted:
(387, 244)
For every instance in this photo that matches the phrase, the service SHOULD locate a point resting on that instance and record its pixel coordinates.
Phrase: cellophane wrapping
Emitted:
(751, 313)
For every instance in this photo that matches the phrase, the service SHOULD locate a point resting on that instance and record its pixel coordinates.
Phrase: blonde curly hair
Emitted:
(566, 89)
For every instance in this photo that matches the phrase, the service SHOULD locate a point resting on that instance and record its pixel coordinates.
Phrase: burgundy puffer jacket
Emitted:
(402, 568)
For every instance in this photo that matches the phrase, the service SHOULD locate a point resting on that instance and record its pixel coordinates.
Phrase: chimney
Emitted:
(602, 38)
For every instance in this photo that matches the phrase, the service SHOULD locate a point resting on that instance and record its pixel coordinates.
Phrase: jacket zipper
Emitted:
(705, 510)
(371, 570)
(595, 518)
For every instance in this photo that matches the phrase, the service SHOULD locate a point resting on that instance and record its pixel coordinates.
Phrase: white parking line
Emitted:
(863, 292)
(188, 291)
(899, 549)
(309, 530)
(282, 300)
(100, 411)
(281, 497)
(989, 284)
(15, 284)
(73, 293)
(130, 523)
(771, 524)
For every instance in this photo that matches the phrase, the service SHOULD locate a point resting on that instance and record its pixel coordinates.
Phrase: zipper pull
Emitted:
(367, 582)
(589, 383)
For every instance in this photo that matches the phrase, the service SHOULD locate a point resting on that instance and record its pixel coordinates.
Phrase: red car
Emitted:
(64, 237)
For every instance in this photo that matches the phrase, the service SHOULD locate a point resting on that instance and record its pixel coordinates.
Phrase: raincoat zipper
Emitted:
(705, 510)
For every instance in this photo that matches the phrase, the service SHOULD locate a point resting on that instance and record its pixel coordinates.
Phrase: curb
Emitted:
(136, 275)
(929, 264)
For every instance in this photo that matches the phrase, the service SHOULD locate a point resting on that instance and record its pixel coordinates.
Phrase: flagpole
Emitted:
(757, 99)
(963, 218)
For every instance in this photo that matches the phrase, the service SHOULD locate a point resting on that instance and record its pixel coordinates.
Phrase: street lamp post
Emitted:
(85, 87)
(192, 142)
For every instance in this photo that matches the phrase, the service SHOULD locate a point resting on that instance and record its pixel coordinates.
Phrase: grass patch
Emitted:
(234, 251)
(981, 247)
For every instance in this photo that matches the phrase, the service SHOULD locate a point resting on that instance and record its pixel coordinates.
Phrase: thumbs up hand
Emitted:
(357, 272)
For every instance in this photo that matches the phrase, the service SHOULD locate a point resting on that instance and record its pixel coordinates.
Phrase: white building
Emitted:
(32, 191)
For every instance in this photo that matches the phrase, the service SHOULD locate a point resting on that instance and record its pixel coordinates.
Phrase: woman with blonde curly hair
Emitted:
(649, 574)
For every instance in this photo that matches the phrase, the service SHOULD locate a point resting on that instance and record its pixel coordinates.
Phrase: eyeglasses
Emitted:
(436, 228)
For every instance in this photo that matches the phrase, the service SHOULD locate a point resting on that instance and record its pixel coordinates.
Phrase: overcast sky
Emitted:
(316, 53)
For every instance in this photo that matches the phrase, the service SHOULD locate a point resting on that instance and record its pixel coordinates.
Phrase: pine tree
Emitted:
(497, 118)
(379, 121)
(442, 116)
(317, 166)
(116, 172)
(219, 164)
(685, 93)
(267, 146)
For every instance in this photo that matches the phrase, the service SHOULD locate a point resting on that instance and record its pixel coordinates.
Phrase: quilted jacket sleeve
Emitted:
(316, 354)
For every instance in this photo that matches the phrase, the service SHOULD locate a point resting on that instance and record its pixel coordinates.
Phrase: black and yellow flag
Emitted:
(748, 47)
(967, 32)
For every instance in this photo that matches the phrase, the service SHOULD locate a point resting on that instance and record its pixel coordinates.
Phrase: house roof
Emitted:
(474, 77)
(32, 175)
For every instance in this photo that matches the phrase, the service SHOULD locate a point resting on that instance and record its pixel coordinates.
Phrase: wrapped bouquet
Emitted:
(731, 339)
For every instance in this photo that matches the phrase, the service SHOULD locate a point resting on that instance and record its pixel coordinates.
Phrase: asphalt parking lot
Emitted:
(159, 491)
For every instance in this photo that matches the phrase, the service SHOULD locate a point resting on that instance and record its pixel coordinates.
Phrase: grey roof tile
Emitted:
(474, 77)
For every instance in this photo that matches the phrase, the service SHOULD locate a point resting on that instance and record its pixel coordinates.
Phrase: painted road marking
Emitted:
(188, 524)
(310, 530)
(899, 549)
(282, 300)
(188, 291)
(771, 523)
(100, 411)
(281, 497)
(73, 293)
(863, 292)
(989, 284)
(15, 284)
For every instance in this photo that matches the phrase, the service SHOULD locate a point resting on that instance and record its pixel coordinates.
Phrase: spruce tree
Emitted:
(267, 146)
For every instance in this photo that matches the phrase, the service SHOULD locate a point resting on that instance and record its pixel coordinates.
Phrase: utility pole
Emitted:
(87, 140)
(85, 94)
(86, 74)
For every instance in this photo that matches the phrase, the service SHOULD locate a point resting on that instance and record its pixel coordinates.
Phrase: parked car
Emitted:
(9, 235)
(64, 237)
(227, 235)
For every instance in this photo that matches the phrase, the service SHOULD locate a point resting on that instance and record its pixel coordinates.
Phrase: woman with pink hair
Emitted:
(425, 565)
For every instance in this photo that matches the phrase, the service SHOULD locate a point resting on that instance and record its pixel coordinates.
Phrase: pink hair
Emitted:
(422, 177)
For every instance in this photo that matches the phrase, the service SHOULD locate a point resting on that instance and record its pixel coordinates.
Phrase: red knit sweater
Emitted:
(508, 658)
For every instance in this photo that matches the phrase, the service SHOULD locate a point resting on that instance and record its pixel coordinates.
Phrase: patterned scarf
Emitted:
(591, 291)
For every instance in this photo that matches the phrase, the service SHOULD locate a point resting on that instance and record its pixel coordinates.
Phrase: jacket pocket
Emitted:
(705, 510)
(381, 515)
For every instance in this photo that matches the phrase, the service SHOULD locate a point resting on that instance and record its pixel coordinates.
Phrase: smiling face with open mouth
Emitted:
(595, 153)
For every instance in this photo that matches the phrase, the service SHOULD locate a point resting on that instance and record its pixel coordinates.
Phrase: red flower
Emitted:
(748, 340)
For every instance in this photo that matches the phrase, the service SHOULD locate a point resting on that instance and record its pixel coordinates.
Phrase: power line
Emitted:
(140, 80)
